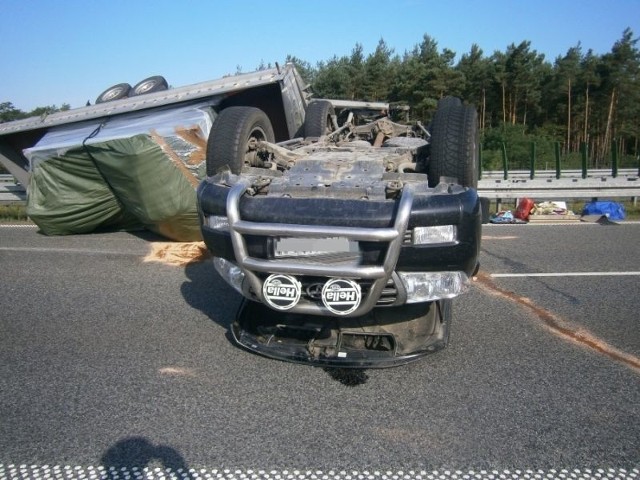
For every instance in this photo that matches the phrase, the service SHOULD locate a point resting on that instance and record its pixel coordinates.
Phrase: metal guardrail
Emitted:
(545, 185)
(575, 173)
(10, 192)
(493, 185)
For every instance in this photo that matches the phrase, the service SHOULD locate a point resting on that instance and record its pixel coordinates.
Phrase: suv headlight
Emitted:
(429, 286)
(434, 235)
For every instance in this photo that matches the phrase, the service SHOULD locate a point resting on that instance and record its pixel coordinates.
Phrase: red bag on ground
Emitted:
(524, 209)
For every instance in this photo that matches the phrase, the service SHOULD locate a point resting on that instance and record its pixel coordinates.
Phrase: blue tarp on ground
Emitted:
(612, 210)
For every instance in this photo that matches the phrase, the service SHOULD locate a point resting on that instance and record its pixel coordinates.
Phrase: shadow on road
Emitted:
(129, 457)
(206, 291)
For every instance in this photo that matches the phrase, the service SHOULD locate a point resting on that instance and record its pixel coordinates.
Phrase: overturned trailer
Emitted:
(135, 158)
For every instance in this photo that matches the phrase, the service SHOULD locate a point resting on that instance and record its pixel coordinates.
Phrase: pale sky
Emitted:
(68, 51)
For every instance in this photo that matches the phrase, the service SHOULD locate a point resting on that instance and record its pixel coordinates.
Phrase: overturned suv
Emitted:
(349, 243)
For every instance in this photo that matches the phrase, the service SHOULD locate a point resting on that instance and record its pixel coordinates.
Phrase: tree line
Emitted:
(9, 113)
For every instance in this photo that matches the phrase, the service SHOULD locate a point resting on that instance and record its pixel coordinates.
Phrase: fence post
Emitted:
(532, 172)
(584, 149)
(614, 159)
(557, 160)
(505, 165)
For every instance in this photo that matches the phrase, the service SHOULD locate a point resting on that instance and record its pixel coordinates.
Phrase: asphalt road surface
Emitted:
(116, 367)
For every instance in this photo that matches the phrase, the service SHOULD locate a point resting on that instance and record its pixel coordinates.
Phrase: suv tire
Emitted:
(454, 143)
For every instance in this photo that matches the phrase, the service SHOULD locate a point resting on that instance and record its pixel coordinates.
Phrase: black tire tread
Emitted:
(160, 84)
(454, 143)
(316, 119)
(228, 137)
(125, 88)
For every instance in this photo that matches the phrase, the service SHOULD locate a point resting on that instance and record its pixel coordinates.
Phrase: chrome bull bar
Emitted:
(380, 274)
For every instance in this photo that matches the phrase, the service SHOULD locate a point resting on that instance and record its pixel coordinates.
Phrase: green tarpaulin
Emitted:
(132, 171)
(122, 183)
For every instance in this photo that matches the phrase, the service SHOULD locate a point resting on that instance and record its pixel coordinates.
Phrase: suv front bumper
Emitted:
(251, 226)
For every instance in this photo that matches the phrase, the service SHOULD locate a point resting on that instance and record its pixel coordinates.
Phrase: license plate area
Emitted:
(288, 247)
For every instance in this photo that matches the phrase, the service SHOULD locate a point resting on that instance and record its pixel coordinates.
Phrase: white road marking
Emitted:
(566, 274)
(15, 472)
(564, 224)
(84, 251)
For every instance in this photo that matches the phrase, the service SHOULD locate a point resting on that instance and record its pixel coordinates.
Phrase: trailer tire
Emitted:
(115, 92)
(157, 83)
(317, 121)
(454, 143)
(228, 144)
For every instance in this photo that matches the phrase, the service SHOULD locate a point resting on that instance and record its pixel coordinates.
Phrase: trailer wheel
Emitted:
(156, 83)
(231, 135)
(317, 121)
(454, 143)
(116, 92)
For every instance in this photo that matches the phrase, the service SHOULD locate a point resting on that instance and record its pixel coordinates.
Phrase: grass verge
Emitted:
(13, 213)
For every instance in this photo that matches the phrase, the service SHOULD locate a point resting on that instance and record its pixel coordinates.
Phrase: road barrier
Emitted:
(493, 185)
(560, 184)
(10, 192)
(571, 184)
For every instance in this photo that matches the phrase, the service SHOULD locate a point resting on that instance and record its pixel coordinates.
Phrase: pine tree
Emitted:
(567, 69)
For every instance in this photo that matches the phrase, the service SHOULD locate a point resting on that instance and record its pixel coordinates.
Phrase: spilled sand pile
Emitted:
(177, 253)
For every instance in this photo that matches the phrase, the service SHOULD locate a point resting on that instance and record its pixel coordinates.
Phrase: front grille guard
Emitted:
(380, 274)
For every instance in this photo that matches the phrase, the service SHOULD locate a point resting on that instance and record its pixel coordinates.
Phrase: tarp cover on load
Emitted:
(136, 171)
